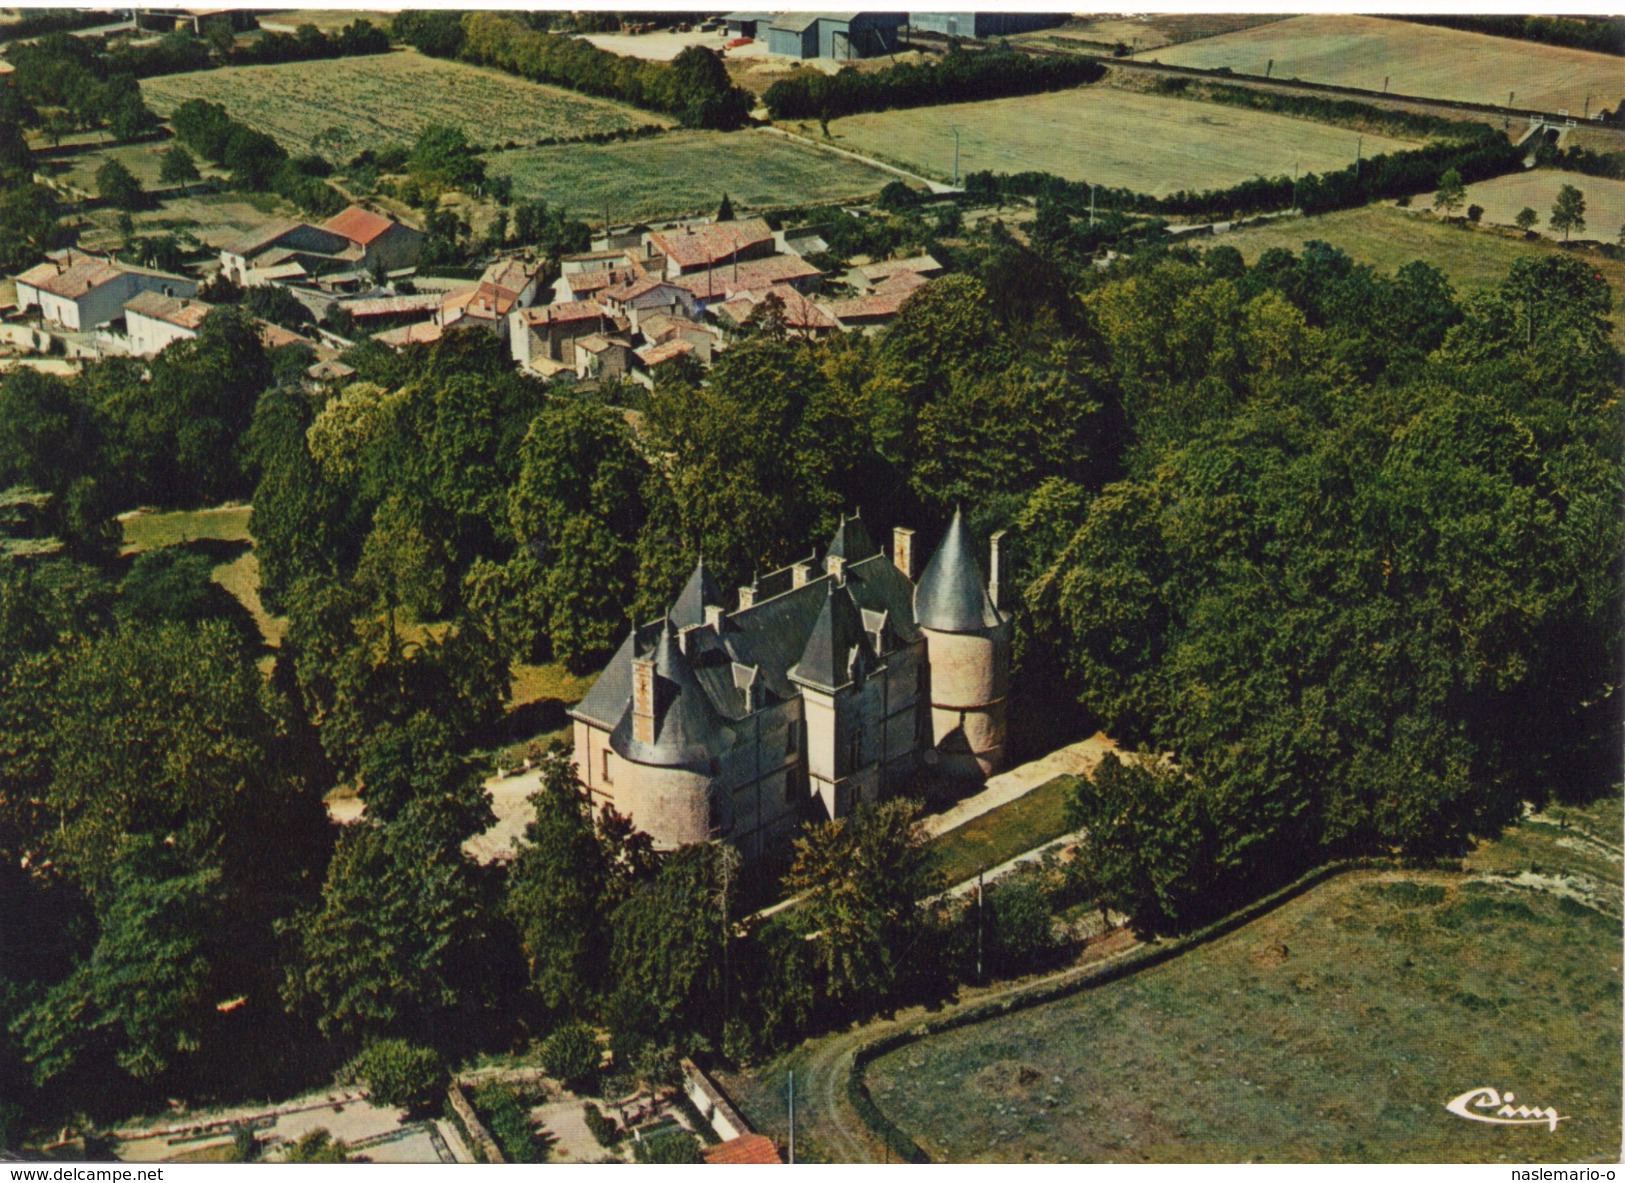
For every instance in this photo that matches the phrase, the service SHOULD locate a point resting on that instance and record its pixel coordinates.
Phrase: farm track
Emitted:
(934, 186)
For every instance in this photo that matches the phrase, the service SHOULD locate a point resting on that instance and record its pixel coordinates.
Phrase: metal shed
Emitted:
(841, 36)
(983, 24)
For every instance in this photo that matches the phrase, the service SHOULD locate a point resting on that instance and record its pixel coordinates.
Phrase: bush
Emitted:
(1018, 921)
(680, 1147)
(600, 1125)
(509, 1123)
(400, 1073)
(571, 1056)
(317, 1146)
(1474, 213)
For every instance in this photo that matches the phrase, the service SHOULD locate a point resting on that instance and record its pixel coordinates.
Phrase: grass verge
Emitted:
(1000, 834)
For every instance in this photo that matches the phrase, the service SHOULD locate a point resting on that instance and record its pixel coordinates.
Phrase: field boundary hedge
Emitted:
(1399, 174)
(957, 78)
(1066, 984)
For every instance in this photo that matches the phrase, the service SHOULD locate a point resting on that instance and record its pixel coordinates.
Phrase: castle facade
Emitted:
(823, 687)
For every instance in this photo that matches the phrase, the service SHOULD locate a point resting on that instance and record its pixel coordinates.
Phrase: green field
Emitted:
(1388, 237)
(1335, 1028)
(684, 172)
(1000, 834)
(1362, 51)
(1108, 136)
(1503, 197)
(143, 531)
(341, 107)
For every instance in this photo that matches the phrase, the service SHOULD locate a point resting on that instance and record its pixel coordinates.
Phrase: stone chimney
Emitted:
(902, 550)
(643, 699)
(714, 616)
(747, 597)
(995, 547)
(835, 565)
(800, 573)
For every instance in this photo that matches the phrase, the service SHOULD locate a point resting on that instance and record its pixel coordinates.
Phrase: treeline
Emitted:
(257, 162)
(1387, 121)
(1582, 160)
(1360, 581)
(307, 43)
(1605, 34)
(28, 211)
(42, 21)
(65, 83)
(1400, 174)
(958, 77)
(693, 87)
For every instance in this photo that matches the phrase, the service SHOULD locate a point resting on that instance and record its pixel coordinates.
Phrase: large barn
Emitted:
(838, 35)
(983, 24)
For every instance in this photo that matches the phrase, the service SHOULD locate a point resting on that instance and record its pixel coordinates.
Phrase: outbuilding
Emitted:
(841, 36)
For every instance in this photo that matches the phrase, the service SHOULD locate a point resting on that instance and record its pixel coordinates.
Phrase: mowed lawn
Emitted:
(1335, 1028)
(341, 107)
(1148, 143)
(1000, 834)
(684, 172)
(1388, 237)
(1418, 60)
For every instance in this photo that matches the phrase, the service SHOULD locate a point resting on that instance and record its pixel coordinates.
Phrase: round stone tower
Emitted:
(967, 642)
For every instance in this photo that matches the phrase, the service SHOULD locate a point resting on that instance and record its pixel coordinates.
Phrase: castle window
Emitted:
(792, 738)
(608, 780)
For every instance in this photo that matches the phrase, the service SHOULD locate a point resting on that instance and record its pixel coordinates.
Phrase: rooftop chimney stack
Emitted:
(643, 699)
(714, 616)
(995, 565)
(902, 550)
(800, 573)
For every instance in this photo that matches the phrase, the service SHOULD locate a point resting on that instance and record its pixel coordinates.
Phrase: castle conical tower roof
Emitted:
(700, 590)
(952, 595)
(852, 541)
(837, 637)
(688, 733)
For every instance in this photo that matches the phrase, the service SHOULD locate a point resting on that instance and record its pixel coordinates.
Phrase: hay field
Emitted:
(1388, 238)
(1418, 60)
(1335, 1028)
(341, 107)
(1148, 31)
(1503, 197)
(1148, 143)
(328, 20)
(683, 172)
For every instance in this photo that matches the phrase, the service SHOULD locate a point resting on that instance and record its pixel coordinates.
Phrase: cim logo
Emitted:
(1484, 1104)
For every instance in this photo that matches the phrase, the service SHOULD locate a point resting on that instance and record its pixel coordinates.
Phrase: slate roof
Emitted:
(688, 731)
(952, 595)
(700, 590)
(837, 643)
(812, 633)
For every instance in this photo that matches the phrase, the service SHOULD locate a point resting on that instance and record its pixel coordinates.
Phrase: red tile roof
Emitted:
(560, 313)
(183, 314)
(358, 225)
(918, 264)
(695, 246)
(746, 1150)
(653, 355)
(748, 276)
(592, 281)
(391, 305)
(424, 333)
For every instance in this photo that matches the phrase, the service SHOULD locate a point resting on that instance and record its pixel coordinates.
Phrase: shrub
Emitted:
(400, 1073)
(571, 1055)
(679, 1147)
(317, 1146)
(600, 1125)
(1474, 213)
(508, 1122)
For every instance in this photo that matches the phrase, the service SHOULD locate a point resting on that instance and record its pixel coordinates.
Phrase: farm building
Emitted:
(748, 24)
(348, 241)
(838, 35)
(80, 291)
(504, 286)
(688, 249)
(983, 24)
(383, 242)
(544, 339)
(813, 694)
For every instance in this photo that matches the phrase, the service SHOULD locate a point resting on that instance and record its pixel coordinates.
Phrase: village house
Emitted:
(153, 322)
(81, 292)
(543, 339)
(648, 296)
(505, 287)
(820, 688)
(353, 240)
(692, 248)
(799, 315)
(881, 304)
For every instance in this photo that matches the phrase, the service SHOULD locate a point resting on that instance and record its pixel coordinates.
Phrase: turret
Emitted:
(665, 744)
(968, 648)
(836, 658)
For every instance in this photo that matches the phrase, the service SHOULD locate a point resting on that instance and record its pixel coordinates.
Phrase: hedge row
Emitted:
(1392, 122)
(960, 77)
(1401, 174)
(1596, 34)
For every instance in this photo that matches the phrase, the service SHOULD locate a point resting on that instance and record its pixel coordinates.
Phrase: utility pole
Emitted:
(956, 158)
(1385, 84)
(792, 1119)
(1091, 206)
(1359, 146)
